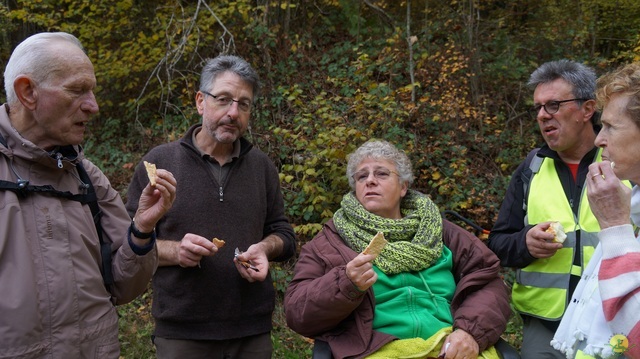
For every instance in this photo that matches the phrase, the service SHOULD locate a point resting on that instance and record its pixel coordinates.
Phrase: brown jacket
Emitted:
(321, 302)
(54, 303)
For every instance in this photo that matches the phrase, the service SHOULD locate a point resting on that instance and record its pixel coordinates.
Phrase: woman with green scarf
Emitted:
(434, 291)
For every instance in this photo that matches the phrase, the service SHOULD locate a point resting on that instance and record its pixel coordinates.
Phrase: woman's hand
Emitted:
(360, 271)
(609, 198)
(459, 345)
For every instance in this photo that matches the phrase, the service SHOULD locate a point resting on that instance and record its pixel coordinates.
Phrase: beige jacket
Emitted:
(54, 303)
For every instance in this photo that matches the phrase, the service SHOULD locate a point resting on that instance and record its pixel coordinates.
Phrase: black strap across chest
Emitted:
(23, 189)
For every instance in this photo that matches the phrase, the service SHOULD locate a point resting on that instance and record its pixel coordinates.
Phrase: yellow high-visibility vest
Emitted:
(541, 288)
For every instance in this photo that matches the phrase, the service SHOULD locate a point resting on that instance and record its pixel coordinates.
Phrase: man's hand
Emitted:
(459, 345)
(155, 201)
(186, 253)
(609, 198)
(360, 271)
(256, 255)
(540, 243)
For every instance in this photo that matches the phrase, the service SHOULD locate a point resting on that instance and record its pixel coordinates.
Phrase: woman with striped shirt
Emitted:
(603, 318)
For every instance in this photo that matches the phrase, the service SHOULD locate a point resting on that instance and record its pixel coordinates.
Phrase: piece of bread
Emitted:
(218, 242)
(151, 172)
(376, 245)
(558, 231)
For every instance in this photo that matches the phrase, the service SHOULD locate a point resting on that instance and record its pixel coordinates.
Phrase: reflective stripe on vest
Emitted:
(541, 288)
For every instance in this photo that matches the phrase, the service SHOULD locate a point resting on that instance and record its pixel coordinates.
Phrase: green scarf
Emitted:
(415, 240)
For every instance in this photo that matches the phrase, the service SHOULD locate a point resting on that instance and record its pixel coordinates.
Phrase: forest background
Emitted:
(444, 80)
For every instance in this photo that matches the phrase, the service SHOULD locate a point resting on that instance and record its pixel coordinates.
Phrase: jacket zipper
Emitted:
(59, 158)
(221, 190)
(221, 182)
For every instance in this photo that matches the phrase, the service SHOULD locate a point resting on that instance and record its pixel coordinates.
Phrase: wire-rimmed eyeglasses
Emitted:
(380, 174)
(224, 102)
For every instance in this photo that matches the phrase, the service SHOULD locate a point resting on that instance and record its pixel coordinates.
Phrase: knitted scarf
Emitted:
(415, 240)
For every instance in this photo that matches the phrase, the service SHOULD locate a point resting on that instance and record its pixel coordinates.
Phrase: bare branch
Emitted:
(383, 15)
(410, 41)
(166, 68)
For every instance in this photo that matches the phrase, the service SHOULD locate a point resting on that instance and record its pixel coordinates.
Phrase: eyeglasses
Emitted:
(224, 102)
(380, 174)
(552, 107)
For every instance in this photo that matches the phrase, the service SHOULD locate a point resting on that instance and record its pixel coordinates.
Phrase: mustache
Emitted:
(228, 121)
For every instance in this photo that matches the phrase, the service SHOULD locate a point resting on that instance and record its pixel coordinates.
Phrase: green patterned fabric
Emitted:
(415, 240)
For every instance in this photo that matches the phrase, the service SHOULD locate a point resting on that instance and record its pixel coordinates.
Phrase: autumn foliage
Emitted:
(442, 80)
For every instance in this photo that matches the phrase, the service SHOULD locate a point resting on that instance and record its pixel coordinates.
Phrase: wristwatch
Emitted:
(137, 233)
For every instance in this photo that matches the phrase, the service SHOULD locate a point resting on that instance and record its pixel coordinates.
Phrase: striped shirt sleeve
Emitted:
(619, 282)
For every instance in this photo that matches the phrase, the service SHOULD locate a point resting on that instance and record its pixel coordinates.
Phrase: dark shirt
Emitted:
(212, 301)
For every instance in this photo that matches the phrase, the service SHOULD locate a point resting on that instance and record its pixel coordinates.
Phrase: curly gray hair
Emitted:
(380, 150)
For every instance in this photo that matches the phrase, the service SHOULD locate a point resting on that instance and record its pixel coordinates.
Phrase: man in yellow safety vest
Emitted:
(549, 186)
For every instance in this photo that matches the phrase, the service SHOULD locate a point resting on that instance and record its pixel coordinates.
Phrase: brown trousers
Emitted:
(253, 347)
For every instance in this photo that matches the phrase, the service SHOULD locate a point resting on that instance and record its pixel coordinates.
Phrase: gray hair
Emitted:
(220, 64)
(582, 78)
(380, 150)
(34, 57)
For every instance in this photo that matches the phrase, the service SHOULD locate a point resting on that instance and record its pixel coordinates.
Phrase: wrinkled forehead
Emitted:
(230, 81)
(557, 89)
(375, 162)
(68, 63)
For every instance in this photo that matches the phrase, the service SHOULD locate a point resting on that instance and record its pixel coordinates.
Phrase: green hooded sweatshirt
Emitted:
(415, 304)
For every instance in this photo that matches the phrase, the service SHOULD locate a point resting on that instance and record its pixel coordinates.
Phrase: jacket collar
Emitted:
(545, 151)
(19, 147)
(187, 141)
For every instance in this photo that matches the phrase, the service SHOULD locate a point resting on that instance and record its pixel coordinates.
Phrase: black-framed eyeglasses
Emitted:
(380, 174)
(552, 107)
(225, 102)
